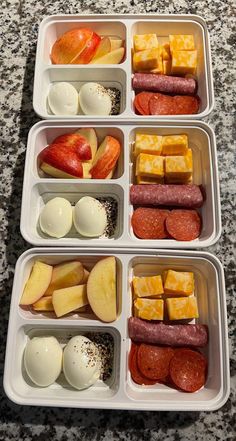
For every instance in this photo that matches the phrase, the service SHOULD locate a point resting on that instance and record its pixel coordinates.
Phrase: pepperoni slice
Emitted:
(188, 370)
(154, 361)
(183, 224)
(134, 370)
(137, 106)
(186, 105)
(149, 223)
(160, 104)
(143, 100)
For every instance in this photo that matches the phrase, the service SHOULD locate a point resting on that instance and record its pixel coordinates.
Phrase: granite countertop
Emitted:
(19, 27)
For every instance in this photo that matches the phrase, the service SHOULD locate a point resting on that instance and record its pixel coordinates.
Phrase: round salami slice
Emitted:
(188, 370)
(186, 105)
(154, 361)
(160, 104)
(136, 375)
(137, 106)
(149, 223)
(183, 224)
(143, 101)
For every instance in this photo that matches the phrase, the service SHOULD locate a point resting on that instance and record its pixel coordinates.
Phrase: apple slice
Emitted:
(105, 158)
(56, 173)
(65, 275)
(63, 158)
(68, 299)
(101, 289)
(70, 45)
(103, 48)
(116, 43)
(78, 142)
(89, 50)
(37, 283)
(114, 57)
(86, 170)
(90, 135)
(44, 304)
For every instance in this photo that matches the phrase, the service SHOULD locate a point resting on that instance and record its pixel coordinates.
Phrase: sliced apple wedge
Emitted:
(91, 137)
(114, 57)
(103, 48)
(37, 283)
(55, 172)
(44, 304)
(86, 170)
(116, 43)
(65, 275)
(105, 158)
(101, 289)
(68, 299)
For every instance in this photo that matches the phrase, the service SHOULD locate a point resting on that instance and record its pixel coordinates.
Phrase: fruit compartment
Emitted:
(207, 290)
(204, 174)
(42, 192)
(23, 391)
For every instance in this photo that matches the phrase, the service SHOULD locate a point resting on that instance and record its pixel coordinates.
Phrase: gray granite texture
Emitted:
(19, 27)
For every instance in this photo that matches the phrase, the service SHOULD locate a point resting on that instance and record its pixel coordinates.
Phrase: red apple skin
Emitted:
(78, 142)
(63, 158)
(107, 161)
(88, 52)
(69, 45)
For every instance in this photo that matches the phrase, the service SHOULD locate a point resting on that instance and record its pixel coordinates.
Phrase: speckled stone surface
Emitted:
(19, 26)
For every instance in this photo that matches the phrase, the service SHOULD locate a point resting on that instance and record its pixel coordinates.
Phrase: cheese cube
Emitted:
(145, 180)
(166, 55)
(147, 144)
(179, 167)
(178, 180)
(159, 67)
(181, 43)
(145, 60)
(149, 309)
(166, 67)
(178, 283)
(148, 286)
(184, 62)
(182, 308)
(174, 145)
(150, 165)
(145, 41)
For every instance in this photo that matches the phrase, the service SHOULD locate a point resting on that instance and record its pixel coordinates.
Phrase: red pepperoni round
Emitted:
(183, 224)
(143, 100)
(160, 104)
(137, 106)
(186, 104)
(134, 370)
(154, 361)
(149, 223)
(188, 370)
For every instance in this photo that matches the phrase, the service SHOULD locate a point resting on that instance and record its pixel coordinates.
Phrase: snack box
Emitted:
(38, 189)
(120, 392)
(117, 75)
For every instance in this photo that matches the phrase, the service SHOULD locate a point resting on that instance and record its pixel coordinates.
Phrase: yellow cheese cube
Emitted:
(178, 180)
(166, 67)
(148, 286)
(150, 165)
(145, 60)
(145, 41)
(149, 309)
(181, 43)
(182, 308)
(147, 144)
(166, 55)
(159, 67)
(184, 62)
(179, 167)
(178, 283)
(174, 145)
(145, 180)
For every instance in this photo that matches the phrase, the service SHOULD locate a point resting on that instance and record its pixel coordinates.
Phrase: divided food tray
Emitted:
(120, 392)
(38, 189)
(118, 75)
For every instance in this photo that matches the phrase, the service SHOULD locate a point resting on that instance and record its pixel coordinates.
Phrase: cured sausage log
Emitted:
(164, 83)
(141, 331)
(188, 196)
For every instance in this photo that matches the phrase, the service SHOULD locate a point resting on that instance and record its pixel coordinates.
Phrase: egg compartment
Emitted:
(109, 77)
(210, 305)
(204, 174)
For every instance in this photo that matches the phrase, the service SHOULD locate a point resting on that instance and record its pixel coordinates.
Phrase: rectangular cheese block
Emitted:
(145, 60)
(150, 166)
(179, 167)
(159, 67)
(166, 67)
(151, 144)
(146, 180)
(166, 55)
(182, 308)
(179, 42)
(178, 283)
(149, 309)
(174, 145)
(148, 286)
(184, 62)
(145, 41)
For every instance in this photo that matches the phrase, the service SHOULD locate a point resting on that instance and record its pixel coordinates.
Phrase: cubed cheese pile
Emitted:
(160, 159)
(178, 56)
(173, 292)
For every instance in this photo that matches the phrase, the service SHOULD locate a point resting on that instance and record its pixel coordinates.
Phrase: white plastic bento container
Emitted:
(119, 76)
(120, 392)
(38, 189)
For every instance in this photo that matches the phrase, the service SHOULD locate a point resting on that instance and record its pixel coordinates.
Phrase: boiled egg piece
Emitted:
(63, 99)
(94, 99)
(81, 362)
(43, 360)
(56, 217)
(89, 216)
